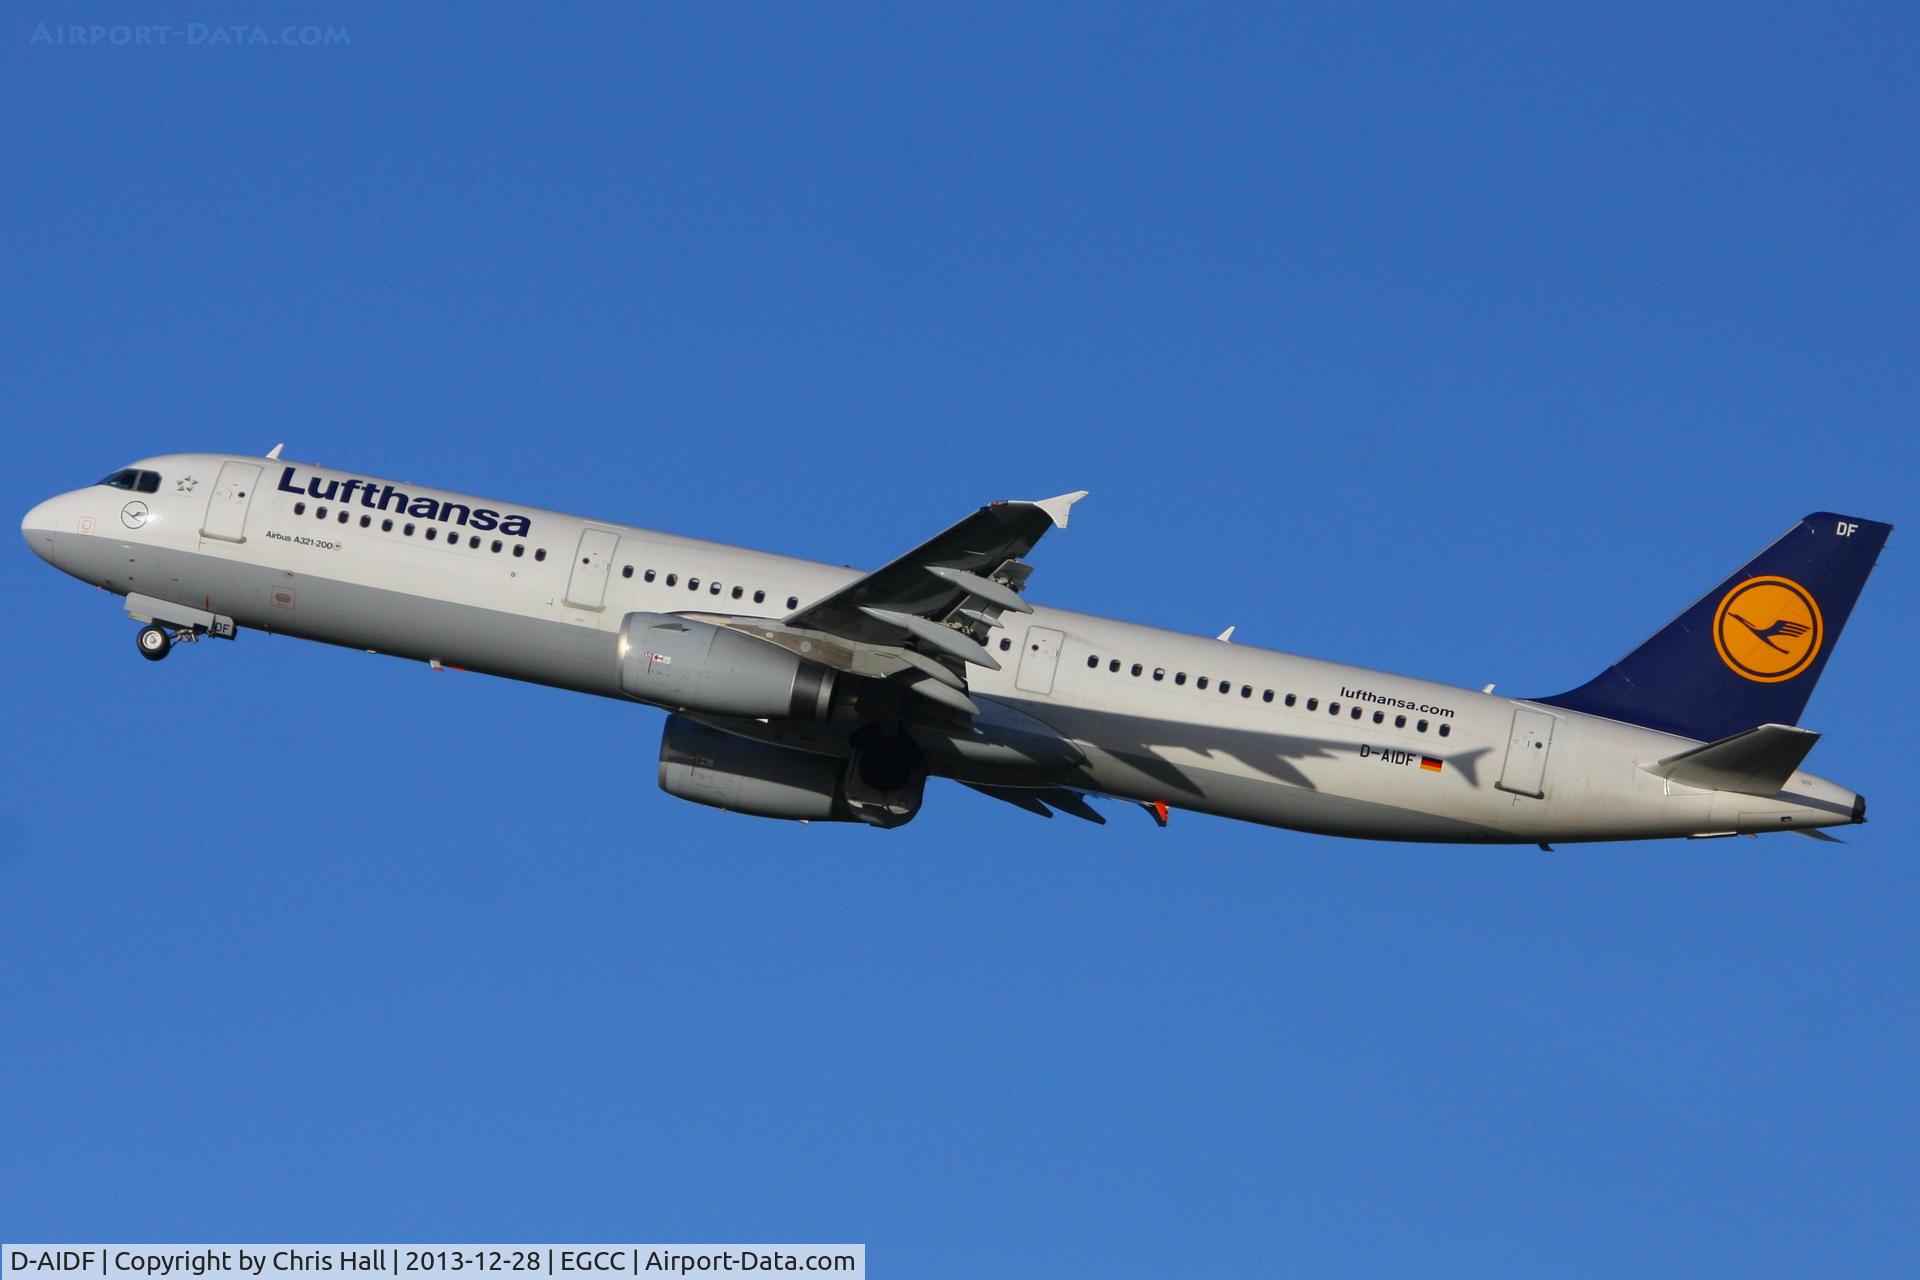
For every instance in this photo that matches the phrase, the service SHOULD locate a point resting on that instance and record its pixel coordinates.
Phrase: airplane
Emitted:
(805, 691)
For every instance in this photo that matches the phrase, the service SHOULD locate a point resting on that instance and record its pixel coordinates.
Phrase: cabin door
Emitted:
(1038, 660)
(227, 504)
(592, 562)
(1525, 773)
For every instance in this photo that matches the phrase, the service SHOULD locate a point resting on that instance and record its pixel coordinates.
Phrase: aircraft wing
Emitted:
(934, 605)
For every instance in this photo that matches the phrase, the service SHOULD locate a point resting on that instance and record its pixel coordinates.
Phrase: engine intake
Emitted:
(695, 666)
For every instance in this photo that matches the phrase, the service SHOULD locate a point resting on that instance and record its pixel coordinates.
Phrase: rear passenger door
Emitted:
(1525, 772)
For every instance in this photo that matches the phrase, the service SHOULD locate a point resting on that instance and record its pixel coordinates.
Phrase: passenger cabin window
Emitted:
(539, 553)
(738, 592)
(1137, 668)
(793, 602)
(299, 508)
(1290, 699)
(647, 576)
(432, 533)
(519, 548)
(1313, 704)
(626, 571)
(386, 526)
(1399, 722)
(759, 597)
(1179, 677)
(366, 522)
(1093, 660)
(1445, 729)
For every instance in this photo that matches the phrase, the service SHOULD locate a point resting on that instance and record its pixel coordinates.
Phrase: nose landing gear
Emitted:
(154, 643)
(169, 624)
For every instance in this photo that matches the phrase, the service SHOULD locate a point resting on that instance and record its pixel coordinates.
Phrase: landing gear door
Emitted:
(1038, 659)
(1525, 773)
(227, 505)
(592, 562)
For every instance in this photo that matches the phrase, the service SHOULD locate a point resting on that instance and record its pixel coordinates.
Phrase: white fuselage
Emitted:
(1157, 716)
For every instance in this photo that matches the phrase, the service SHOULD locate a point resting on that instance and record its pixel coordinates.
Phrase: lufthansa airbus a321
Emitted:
(805, 691)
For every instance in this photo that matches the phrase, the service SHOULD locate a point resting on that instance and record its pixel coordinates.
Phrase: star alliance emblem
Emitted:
(186, 484)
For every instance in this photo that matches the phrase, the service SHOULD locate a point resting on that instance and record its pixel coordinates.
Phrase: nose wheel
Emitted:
(154, 643)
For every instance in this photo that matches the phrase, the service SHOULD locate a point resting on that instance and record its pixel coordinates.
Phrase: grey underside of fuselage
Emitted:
(1119, 750)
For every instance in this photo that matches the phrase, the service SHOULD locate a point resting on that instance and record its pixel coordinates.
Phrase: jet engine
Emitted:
(879, 783)
(694, 666)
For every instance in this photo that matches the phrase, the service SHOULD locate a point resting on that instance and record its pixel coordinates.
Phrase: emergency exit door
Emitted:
(592, 562)
(227, 505)
(1525, 773)
(1038, 659)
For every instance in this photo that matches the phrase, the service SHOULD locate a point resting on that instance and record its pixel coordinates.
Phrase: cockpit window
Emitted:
(135, 481)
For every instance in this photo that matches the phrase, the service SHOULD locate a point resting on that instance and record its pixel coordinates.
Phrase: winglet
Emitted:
(1226, 637)
(274, 452)
(1057, 508)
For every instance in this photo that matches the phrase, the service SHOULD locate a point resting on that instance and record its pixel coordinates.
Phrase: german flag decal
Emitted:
(1430, 764)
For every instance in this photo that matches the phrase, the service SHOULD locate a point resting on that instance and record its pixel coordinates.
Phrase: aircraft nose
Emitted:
(37, 528)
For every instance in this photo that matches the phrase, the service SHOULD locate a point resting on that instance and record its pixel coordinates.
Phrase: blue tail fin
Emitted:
(1749, 651)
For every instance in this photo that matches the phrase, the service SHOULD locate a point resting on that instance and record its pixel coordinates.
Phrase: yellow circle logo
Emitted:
(1768, 629)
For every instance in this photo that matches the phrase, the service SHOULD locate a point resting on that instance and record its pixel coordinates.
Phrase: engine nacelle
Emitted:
(695, 666)
(879, 784)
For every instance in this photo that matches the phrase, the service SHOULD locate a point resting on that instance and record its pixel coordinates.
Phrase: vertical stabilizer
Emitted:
(1748, 652)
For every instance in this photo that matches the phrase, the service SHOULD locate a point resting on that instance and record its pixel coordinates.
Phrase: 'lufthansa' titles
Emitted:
(384, 497)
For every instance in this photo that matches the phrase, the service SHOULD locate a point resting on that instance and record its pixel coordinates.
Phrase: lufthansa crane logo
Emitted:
(1768, 629)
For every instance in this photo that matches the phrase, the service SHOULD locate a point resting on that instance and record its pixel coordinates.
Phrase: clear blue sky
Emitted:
(1470, 344)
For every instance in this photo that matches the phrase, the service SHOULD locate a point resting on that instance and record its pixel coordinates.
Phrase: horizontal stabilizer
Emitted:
(1755, 763)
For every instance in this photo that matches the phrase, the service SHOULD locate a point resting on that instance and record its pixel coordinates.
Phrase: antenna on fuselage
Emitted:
(274, 452)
